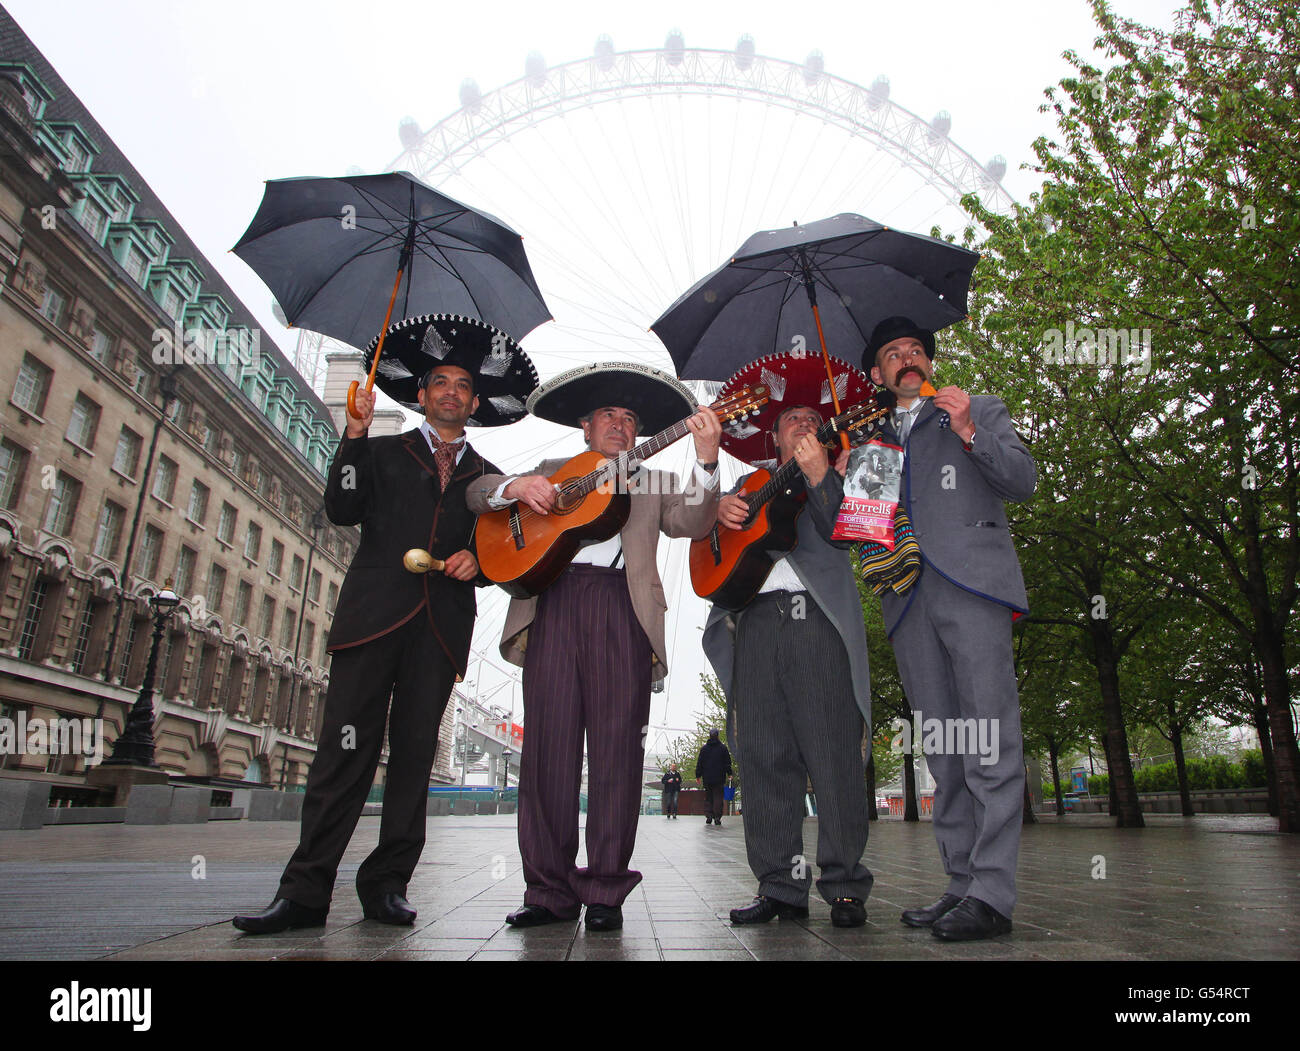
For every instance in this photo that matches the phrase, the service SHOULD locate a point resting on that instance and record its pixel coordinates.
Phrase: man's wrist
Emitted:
(708, 465)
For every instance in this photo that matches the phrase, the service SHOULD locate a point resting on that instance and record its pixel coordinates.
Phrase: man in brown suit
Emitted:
(592, 644)
(395, 635)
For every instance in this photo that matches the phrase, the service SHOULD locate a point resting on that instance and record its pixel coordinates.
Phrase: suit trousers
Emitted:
(586, 669)
(797, 720)
(955, 659)
(410, 666)
(713, 801)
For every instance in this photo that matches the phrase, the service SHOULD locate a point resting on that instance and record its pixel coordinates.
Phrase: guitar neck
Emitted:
(784, 474)
(648, 448)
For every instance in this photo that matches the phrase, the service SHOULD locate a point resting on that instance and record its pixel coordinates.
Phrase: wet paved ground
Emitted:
(1204, 888)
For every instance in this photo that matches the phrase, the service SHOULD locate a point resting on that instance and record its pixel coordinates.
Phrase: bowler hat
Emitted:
(893, 328)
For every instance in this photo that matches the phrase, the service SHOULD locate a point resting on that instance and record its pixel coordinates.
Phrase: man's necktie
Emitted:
(904, 426)
(444, 455)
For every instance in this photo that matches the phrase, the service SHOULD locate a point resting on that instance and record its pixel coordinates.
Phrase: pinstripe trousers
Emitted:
(797, 720)
(586, 668)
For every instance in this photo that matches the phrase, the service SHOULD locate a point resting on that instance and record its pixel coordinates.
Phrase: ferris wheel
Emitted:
(631, 174)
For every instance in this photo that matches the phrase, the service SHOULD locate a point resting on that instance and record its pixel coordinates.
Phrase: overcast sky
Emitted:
(211, 99)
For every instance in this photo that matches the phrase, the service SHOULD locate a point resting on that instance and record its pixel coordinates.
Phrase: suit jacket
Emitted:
(955, 498)
(826, 571)
(658, 504)
(390, 487)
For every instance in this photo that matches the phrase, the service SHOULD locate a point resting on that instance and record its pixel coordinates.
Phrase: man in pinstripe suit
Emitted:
(793, 664)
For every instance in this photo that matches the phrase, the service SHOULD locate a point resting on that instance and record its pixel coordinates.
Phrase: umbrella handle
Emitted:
(354, 386)
(835, 398)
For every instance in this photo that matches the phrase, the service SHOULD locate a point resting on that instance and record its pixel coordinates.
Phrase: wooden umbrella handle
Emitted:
(826, 358)
(354, 386)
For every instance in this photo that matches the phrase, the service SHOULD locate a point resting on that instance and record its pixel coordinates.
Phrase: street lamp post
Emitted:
(317, 524)
(135, 746)
(505, 776)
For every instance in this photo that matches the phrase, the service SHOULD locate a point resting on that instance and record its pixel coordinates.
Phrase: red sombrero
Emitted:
(793, 378)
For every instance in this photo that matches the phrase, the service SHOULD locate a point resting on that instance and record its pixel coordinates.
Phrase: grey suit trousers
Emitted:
(797, 720)
(955, 658)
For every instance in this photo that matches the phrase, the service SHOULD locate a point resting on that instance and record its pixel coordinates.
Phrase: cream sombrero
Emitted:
(658, 399)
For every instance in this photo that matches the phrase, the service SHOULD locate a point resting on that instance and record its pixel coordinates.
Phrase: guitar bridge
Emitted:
(516, 529)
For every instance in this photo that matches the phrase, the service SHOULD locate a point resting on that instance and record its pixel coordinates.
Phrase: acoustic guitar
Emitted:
(729, 565)
(525, 552)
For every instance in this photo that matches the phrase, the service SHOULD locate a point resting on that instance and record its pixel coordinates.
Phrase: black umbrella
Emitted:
(504, 377)
(338, 254)
(766, 299)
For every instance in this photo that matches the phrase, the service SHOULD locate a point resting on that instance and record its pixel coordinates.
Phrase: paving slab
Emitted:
(1213, 887)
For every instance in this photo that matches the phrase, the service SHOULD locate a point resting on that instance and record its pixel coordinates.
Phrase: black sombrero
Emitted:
(658, 399)
(503, 375)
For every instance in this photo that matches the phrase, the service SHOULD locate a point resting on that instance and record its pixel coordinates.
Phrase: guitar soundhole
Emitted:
(566, 500)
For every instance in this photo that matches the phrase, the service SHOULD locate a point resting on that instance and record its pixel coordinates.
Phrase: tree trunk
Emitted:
(1027, 816)
(1259, 715)
(1286, 759)
(1124, 791)
(1053, 754)
(1180, 763)
(910, 811)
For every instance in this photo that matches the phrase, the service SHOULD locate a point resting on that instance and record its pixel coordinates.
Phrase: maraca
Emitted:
(418, 560)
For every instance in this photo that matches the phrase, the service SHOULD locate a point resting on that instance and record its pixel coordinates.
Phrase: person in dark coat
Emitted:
(672, 782)
(396, 635)
(712, 769)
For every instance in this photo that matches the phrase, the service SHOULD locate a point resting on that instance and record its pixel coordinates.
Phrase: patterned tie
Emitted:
(904, 425)
(444, 455)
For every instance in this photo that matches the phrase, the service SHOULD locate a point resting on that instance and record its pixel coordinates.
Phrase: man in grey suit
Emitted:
(951, 631)
(793, 665)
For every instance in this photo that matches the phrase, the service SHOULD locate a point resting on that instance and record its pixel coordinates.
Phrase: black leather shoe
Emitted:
(762, 909)
(925, 917)
(971, 920)
(281, 915)
(604, 917)
(848, 912)
(532, 916)
(389, 907)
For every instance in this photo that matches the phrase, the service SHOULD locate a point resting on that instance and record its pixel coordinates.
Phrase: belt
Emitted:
(778, 595)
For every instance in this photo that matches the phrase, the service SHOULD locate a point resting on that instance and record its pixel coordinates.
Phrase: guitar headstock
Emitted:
(858, 421)
(741, 402)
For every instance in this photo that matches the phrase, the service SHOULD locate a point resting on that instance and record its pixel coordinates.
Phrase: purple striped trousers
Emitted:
(586, 668)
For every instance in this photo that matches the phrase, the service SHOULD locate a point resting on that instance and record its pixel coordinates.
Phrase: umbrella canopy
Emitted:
(330, 249)
(504, 377)
(856, 271)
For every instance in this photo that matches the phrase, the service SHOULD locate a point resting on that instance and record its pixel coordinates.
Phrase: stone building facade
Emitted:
(149, 432)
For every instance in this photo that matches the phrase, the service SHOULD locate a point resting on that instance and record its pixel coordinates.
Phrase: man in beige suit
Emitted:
(592, 644)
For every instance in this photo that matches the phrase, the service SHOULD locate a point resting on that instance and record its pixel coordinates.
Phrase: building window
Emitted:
(126, 457)
(216, 588)
(226, 523)
(128, 648)
(108, 532)
(83, 636)
(308, 638)
(313, 587)
(185, 570)
(137, 265)
(267, 618)
(243, 599)
(276, 565)
(32, 386)
(286, 629)
(54, 305)
(13, 469)
(332, 598)
(151, 552)
(253, 542)
(101, 345)
(197, 510)
(295, 574)
(164, 480)
(62, 507)
(93, 220)
(31, 620)
(143, 380)
(172, 302)
(84, 422)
